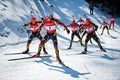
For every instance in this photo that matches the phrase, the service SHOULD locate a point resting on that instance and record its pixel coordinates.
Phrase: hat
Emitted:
(87, 20)
(33, 19)
(73, 21)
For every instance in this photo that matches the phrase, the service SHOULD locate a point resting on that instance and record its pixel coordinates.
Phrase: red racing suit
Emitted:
(75, 31)
(34, 27)
(105, 25)
(111, 22)
(90, 29)
(34, 33)
(74, 27)
(51, 34)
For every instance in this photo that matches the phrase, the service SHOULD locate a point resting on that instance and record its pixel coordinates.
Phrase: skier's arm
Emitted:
(40, 28)
(62, 24)
(95, 26)
(27, 24)
(39, 22)
(68, 25)
(83, 34)
(82, 27)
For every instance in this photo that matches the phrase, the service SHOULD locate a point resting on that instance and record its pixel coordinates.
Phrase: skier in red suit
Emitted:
(111, 18)
(90, 29)
(75, 31)
(49, 23)
(34, 33)
(105, 25)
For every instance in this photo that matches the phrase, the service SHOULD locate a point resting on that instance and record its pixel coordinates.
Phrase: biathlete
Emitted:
(49, 23)
(34, 33)
(90, 29)
(75, 31)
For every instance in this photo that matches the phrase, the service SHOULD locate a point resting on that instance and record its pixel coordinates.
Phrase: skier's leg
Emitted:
(91, 41)
(80, 39)
(107, 29)
(83, 34)
(41, 45)
(98, 42)
(72, 36)
(86, 42)
(91, 11)
(113, 25)
(110, 25)
(102, 30)
(54, 39)
(28, 43)
(44, 49)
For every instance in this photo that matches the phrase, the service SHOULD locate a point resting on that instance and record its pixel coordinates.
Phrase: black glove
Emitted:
(41, 18)
(96, 28)
(24, 25)
(68, 31)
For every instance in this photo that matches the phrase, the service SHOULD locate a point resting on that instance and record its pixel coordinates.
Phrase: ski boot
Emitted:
(84, 52)
(58, 59)
(69, 48)
(46, 53)
(81, 44)
(26, 52)
(102, 49)
(36, 55)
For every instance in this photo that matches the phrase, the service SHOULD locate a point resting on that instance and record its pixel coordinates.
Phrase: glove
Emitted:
(41, 18)
(24, 25)
(68, 31)
(96, 28)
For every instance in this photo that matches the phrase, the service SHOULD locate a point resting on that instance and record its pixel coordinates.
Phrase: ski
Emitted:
(105, 52)
(67, 49)
(22, 58)
(79, 53)
(17, 53)
(113, 37)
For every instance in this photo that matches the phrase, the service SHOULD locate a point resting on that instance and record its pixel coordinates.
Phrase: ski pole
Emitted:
(31, 14)
(85, 15)
(22, 30)
(51, 7)
(73, 17)
(38, 13)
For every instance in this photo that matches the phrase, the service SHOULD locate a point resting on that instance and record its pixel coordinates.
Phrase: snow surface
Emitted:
(93, 66)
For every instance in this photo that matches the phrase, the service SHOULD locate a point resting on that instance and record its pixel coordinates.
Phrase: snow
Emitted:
(95, 65)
